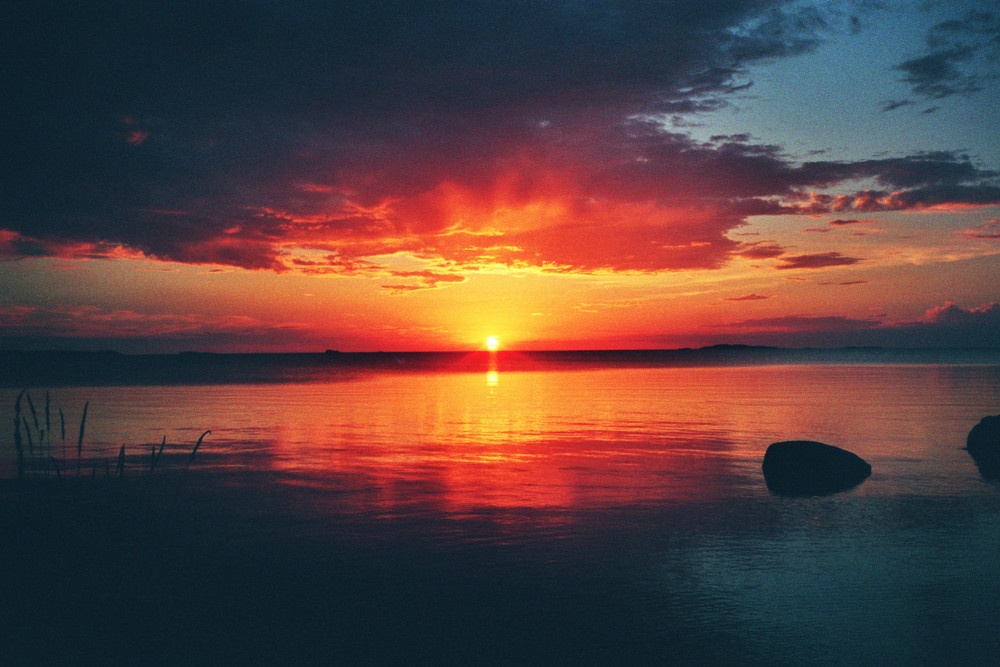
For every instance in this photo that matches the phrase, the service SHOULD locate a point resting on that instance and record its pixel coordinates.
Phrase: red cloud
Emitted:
(525, 151)
(136, 137)
(581, 195)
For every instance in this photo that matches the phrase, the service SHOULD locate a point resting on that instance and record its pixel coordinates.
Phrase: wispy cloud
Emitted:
(748, 297)
(426, 280)
(802, 324)
(840, 222)
(95, 322)
(845, 283)
(988, 230)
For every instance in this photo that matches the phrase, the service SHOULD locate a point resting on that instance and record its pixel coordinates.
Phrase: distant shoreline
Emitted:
(20, 369)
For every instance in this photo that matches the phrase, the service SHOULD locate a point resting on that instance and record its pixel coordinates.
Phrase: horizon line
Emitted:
(329, 351)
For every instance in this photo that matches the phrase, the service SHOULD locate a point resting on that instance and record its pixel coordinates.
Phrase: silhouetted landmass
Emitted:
(983, 445)
(68, 368)
(807, 468)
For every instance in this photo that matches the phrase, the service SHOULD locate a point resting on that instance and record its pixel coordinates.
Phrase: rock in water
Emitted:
(807, 468)
(983, 444)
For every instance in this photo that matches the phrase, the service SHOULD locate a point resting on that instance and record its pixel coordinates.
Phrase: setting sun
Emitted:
(492, 343)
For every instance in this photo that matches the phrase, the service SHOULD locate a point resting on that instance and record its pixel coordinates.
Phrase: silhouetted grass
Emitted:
(154, 457)
(196, 446)
(79, 441)
(36, 459)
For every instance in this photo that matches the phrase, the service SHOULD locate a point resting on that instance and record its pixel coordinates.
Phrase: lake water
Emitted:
(581, 514)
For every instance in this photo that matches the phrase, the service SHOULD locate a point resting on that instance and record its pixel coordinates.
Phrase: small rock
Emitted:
(807, 468)
(983, 445)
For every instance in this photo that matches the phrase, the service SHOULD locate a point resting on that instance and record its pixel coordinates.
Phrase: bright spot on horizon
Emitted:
(492, 343)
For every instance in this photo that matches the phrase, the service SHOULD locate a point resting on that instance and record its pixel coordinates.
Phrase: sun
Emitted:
(492, 343)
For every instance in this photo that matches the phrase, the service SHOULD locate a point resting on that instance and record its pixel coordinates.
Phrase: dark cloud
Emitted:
(803, 324)
(938, 74)
(935, 168)
(951, 314)
(892, 105)
(958, 49)
(236, 58)
(817, 260)
(748, 297)
(951, 325)
(845, 283)
(957, 196)
(762, 250)
(948, 325)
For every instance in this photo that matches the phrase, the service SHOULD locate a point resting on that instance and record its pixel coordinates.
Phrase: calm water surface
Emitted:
(596, 515)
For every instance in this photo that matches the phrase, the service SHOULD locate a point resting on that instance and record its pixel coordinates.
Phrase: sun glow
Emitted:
(492, 343)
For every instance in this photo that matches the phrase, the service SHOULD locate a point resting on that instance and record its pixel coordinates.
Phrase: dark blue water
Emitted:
(610, 513)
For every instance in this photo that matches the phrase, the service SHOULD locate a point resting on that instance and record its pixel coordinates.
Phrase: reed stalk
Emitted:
(79, 440)
(62, 430)
(154, 456)
(34, 414)
(196, 446)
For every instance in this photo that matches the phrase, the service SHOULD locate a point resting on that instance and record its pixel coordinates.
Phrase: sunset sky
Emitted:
(296, 176)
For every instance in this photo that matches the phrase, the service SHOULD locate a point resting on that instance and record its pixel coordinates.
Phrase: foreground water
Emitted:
(583, 514)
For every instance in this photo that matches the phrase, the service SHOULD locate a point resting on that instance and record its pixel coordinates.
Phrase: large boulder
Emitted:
(983, 445)
(807, 468)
